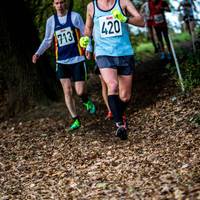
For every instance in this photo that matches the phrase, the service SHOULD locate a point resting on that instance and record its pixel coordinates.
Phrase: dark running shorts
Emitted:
(125, 65)
(75, 72)
(96, 70)
(187, 18)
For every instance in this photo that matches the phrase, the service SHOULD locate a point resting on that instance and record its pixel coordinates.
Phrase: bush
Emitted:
(190, 70)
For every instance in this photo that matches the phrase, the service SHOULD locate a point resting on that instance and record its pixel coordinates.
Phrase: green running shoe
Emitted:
(90, 107)
(75, 125)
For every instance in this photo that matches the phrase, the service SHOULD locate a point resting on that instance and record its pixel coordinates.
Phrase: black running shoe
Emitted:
(121, 132)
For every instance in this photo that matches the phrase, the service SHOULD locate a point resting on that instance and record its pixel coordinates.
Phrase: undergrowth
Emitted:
(190, 70)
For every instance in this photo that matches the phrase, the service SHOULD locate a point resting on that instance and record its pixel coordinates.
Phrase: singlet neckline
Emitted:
(66, 17)
(108, 9)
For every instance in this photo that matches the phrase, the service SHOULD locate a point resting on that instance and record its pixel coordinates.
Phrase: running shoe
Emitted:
(169, 57)
(121, 132)
(90, 107)
(109, 116)
(162, 55)
(75, 125)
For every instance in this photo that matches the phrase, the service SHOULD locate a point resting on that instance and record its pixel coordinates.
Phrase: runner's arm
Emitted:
(48, 38)
(89, 25)
(47, 41)
(89, 20)
(135, 17)
(78, 22)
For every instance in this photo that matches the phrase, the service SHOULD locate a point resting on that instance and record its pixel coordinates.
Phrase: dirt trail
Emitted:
(160, 160)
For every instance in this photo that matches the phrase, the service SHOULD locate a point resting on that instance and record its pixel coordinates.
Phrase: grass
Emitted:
(191, 71)
(146, 50)
(190, 68)
(145, 47)
(182, 37)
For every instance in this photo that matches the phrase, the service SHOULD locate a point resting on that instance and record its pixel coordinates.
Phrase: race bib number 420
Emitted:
(110, 27)
(65, 36)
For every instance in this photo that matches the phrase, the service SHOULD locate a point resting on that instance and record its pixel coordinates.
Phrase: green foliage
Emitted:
(189, 63)
(90, 65)
(145, 49)
(181, 37)
(139, 38)
(41, 10)
(190, 70)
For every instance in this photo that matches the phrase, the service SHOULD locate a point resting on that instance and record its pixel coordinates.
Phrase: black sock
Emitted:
(123, 106)
(84, 98)
(114, 104)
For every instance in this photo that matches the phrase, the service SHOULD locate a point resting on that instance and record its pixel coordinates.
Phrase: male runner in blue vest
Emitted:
(65, 28)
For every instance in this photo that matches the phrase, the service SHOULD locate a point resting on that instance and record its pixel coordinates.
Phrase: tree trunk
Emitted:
(21, 82)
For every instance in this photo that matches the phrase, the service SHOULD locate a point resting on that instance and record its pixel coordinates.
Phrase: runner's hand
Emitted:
(118, 15)
(84, 41)
(35, 57)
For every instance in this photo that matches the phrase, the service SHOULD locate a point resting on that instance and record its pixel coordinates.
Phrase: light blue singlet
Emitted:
(110, 35)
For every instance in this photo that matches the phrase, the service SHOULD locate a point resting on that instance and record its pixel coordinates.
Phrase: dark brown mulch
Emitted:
(160, 160)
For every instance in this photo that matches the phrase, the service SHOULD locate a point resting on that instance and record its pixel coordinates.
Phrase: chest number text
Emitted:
(110, 27)
(65, 37)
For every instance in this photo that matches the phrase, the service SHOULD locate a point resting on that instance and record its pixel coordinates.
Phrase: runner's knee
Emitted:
(125, 97)
(112, 87)
(80, 92)
(68, 91)
(79, 88)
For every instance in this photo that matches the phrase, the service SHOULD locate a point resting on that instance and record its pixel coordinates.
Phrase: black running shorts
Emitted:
(75, 72)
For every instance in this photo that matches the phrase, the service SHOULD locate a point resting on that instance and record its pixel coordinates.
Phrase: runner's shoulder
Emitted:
(50, 20)
(90, 8)
(75, 14)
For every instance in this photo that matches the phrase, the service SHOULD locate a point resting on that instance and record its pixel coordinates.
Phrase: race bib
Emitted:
(158, 19)
(110, 27)
(65, 37)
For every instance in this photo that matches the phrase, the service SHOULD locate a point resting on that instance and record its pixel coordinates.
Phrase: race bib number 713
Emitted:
(110, 27)
(65, 36)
